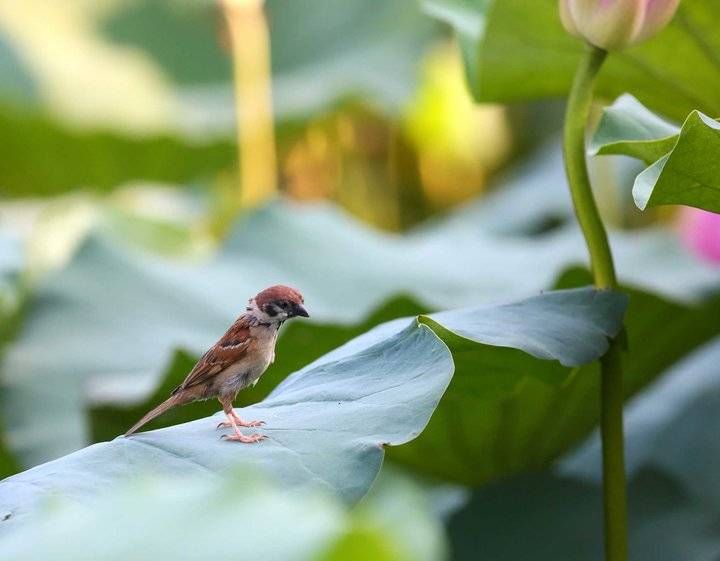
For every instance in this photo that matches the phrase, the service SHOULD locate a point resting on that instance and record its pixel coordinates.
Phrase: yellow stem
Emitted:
(250, 41)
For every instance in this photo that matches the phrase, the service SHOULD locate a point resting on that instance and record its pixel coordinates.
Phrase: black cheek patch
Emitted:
(271, 309)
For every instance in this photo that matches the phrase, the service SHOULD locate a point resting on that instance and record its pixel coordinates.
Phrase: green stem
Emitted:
(611, 416)
(576, 118)
(613, 454)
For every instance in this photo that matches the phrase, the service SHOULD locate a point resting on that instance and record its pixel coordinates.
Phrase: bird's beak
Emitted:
(299, 310)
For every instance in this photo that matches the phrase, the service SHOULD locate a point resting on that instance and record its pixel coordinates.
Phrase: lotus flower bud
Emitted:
(616, 24)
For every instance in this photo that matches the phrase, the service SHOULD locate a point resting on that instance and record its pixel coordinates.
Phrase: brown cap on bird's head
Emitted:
(281, 298)
(278, 292)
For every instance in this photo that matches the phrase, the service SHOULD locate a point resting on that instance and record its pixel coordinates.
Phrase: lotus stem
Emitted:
(611, 394)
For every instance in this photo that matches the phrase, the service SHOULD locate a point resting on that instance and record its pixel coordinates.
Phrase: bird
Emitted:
(237, 360)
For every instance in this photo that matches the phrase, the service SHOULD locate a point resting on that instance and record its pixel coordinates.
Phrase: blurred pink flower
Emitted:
(700, 231)
(616, 24)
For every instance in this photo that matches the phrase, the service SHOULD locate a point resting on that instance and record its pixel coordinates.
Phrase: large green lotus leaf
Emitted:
(685, 166)
(116, 316)
(326, 429)
(198, 518)
(490, 425)
(570, 327)
(547, 517)
(522, 52)
(328, 423)
(321, 50)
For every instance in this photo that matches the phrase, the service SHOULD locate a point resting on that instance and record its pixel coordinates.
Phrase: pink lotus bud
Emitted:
(700, 230)
(616, 24)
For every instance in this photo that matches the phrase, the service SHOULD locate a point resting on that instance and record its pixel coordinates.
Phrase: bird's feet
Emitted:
(234, 422)
(240, 423)
(239, 437)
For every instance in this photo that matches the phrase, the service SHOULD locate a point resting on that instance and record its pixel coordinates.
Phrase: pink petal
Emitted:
(700, 231)
(657, 14)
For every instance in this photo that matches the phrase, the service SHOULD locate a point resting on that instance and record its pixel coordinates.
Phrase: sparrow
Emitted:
(237, 360)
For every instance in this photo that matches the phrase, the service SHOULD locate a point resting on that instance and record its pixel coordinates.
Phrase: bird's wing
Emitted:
(231, 348)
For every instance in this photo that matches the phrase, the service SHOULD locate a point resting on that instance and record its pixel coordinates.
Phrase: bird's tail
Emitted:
(172, 401)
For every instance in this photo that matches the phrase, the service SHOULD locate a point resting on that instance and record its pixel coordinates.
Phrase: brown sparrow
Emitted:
(237, 360)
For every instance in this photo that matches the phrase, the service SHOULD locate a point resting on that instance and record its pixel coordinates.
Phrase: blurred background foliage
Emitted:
(125, 250)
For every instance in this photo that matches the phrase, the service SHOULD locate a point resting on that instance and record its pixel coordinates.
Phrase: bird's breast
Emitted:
(248, 370)
(265, 338)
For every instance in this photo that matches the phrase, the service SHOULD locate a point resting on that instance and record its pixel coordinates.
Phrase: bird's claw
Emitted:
(245, 439)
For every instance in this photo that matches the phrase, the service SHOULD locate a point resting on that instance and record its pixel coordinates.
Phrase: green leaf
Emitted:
(494, 367)
(685, 166)
(629, 128)
(198, 518)
(524, 53)
(500, 414)
(562, 326)
(326, 428)
(689, 174)
(327, 424)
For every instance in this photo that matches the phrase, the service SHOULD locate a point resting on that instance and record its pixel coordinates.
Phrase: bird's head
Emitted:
(277, 304)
